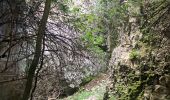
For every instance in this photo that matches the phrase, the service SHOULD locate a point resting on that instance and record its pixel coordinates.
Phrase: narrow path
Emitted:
(94, 90)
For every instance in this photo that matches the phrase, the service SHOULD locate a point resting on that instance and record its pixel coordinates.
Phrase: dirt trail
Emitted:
(94, 90)
(100, 79)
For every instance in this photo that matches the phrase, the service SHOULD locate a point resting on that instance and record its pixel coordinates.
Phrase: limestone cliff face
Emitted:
(140, 66)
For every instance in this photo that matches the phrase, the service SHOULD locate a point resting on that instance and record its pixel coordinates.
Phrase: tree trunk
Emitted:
(34, 64)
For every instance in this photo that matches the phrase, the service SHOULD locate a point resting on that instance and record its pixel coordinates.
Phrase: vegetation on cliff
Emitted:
(145, 73)
(52, 49)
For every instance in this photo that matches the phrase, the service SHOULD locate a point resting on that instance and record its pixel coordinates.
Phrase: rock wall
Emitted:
(140, 64)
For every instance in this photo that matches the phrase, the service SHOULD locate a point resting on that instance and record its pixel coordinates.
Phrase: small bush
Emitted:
(134, 55)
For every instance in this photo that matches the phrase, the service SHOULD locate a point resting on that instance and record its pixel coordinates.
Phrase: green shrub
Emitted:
(134, 55)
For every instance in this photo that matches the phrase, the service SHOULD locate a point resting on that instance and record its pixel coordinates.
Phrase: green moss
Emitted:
(86, 80)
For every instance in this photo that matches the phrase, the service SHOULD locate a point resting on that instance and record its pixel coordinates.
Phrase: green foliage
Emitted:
(75, 10)
(134, 55)
(135, 89)
(151, 39)
(91, 27)
(91, 37)
(91, 40)
(89, 18)
(63, 7)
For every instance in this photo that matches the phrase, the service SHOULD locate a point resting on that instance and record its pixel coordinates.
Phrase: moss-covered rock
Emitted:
(141, 72)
